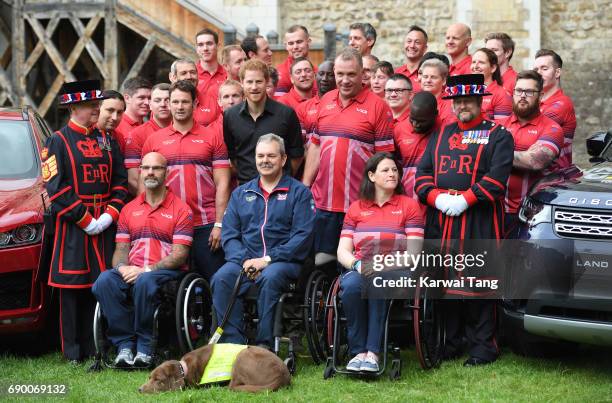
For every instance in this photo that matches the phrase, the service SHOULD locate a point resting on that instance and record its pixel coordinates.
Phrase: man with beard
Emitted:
(267, 230)
(153, 239)
(537, 141)
(198, 173)
(137, 93)
(297, 44)
(415, 46)
(302, 79)
(160, 118)
(205, 109)
(457, 41)
(85, 178)
(307, 111)
(462, 178)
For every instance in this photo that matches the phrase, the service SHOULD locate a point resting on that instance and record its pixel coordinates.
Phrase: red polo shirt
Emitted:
(445, 109)
(498, 105)
(463, 67)
(560, 108)
(292, 99)
(413, 76)
(284, 78)
(382, 229)
(348, 137)
(540, 130)
(411, 146)
(151, 232)
(307, 113)
(122, 131)
(134, 142)
(209, 83)
(206, 110)
(509, 79)
(191, 160)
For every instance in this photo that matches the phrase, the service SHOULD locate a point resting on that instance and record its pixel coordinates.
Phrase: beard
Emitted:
(151, 183)
(525, 111)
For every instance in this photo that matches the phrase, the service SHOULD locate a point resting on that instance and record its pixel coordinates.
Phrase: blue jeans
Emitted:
(272, 281)
(365, 318)
(130, 324)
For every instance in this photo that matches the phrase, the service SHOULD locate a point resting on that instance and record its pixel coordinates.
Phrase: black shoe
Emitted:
(475, 361)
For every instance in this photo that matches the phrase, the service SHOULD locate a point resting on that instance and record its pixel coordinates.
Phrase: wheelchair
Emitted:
(421, 317)
(186, 303)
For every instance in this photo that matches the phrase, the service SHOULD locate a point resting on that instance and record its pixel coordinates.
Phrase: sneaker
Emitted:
(369, 364)
(354, 364)
(125, 358)
(142, 360)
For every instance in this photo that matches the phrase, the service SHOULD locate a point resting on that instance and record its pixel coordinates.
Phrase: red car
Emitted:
(24, 297)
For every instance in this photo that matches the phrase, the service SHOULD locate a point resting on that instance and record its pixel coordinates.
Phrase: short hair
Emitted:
(385, 67)
(249, 44)
(174, 65)
(505, 39)
(438, 64)
(492, 58)
(366, 28)
(371, 57)
(296, 27)
(271, 137)
(274, 77)
(434, 55)
(367, 190)
(401, 77)
(348, 54)
(184, 86)
(557, 61)
(112, 94)
(298, 60)
(419, 29)
(231, 83)
(227, 51)
(531, 75)
(131, 85)
(208, 31)
(161, 87)
(254, 65)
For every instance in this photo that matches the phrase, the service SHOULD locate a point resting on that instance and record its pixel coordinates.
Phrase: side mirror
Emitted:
(597, 142)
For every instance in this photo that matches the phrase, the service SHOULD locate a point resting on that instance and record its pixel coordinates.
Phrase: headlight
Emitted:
(533, 212)
(23, 235)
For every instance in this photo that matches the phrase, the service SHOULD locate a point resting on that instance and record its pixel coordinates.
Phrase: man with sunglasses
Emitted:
(537, 142)
(152, 245)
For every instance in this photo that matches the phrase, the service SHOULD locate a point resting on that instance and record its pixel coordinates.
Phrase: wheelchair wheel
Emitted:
(337, 342)
(428, 322)
(195, 316)
(101, 343)
(315, 299)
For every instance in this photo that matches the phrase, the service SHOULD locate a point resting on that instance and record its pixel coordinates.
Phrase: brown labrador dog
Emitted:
(255, 369)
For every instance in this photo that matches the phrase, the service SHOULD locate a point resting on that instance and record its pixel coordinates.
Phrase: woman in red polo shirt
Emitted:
(381, 221)
(499, 104)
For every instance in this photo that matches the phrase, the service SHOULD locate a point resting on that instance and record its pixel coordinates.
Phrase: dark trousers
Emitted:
(475, 317)
(327, 229)
(206, 261)
(130, 320)
(272, 281)
(76, 323)
(365, 318)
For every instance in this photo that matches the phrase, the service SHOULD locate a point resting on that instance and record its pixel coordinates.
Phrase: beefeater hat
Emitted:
(465, 85)
(80, 91)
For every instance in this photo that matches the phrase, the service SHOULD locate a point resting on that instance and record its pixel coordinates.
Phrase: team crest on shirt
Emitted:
(330, 106)
(475, 137)
(364, 111)
(168, 216)
(137, 213)
(396, 212)
(366, 213)
(167, 142)
(282, 196)
(197, 141)
(250, 198)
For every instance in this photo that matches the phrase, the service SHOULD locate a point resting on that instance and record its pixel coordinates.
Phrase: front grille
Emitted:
(15, 290)
(583, 224)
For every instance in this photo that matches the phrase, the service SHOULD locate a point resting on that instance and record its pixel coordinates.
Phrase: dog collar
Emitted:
(183, 368)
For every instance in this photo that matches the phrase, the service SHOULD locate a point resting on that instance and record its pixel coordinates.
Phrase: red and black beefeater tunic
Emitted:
(85, 177)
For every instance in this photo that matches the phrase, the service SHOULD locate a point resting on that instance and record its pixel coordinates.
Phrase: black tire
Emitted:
(329, 372)
(291, 364)
(428, 323)
(315, 299)
(396, 370)
(195, 316)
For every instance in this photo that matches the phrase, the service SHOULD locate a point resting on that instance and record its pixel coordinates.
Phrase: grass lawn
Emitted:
(585, 376)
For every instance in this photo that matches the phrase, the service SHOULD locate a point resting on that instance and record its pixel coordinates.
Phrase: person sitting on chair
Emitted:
(380, 220)
(267, 231)
(152, 245)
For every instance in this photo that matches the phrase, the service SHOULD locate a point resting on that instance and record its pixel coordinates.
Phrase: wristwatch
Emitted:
(218, 225)
(267, 259)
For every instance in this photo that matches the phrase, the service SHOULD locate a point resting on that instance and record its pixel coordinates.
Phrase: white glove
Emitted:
(104, 221)
(442, 202)
(92, 228)
(457, 205)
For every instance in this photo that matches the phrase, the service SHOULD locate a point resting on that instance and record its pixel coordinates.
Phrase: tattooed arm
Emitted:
(175, 259)
(536, 158)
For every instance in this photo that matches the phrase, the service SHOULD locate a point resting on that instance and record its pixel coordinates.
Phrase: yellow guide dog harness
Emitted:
(221, 361)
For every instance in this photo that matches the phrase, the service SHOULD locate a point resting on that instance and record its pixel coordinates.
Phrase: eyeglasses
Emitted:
(396, 90)
(153, 167)
(528, 93)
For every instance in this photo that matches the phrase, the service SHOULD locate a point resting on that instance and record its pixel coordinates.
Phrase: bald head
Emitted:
(458, 39)
(153, 169)
(154, 158)
(423, 112)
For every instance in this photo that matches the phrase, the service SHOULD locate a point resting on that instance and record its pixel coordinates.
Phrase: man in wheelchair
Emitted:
(154, 234)
(267, 231)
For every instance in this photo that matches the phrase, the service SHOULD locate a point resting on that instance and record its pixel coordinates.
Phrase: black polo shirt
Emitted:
(241, 133)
